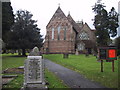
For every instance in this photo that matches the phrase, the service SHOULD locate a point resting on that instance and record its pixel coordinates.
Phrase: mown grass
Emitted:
(55, 82)
(14, 61)
(16, 83)
(89, 67)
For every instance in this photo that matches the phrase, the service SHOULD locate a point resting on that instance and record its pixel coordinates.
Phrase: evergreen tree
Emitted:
(105, 23)
(24, 34)
(7, 19)
(113, 22)
(117, 43)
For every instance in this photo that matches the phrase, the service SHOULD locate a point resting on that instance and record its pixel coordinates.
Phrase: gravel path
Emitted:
(70, 77)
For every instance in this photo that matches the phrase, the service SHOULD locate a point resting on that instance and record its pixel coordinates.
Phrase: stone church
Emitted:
(64, 35)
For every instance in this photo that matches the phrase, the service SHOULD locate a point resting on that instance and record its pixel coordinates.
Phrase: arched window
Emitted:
(59, 32)
(65, 33)
(52, 33)
(84, 36)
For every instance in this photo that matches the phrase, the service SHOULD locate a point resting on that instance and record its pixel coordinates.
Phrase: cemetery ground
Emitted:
(87, 66)
(12, 61)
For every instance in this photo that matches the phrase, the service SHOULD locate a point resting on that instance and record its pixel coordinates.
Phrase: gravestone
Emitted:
(65, 55)
(76, 53)
(34, 71)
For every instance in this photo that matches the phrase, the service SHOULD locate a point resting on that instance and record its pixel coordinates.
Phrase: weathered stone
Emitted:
(34, 70)
(35, 52)
(21, 67)
(7, 78)
(76, 53)
(65, 55)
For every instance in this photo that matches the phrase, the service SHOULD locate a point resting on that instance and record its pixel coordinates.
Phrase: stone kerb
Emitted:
(34, 71)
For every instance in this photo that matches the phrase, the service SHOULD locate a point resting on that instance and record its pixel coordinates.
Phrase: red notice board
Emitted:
(108, 53)
(112, 54)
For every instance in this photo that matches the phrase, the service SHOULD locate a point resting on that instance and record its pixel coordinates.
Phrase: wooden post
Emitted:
(101, 65)
(113, 65)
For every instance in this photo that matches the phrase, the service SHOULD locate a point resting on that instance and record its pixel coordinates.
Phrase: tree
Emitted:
(103, 23)
(117, 43)
(7, 19)
(100, 23)
(113, 22)
(24, 34)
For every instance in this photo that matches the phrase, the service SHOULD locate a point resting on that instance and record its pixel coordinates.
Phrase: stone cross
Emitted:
(34, 70)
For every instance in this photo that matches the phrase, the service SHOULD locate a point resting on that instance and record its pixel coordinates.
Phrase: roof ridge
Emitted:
(75, 25)
(59, 14)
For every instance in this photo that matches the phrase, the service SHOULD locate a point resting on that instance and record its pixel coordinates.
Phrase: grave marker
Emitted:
(34, 71)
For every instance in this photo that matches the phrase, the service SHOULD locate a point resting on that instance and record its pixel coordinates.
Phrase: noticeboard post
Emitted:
(107, 53)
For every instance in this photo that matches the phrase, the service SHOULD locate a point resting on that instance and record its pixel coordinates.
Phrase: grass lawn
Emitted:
(16, 83)
(13, 61)
(89, 67)
(55, 82)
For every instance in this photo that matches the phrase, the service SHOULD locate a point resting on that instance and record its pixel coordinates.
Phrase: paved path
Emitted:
(70, 77)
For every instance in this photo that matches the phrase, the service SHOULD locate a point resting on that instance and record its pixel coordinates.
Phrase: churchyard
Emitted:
(68, 55)
(87, 66)
(12, 61)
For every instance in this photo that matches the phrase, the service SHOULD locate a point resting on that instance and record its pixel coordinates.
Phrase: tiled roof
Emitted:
(75, 25)
(58, 14)
(93, 30)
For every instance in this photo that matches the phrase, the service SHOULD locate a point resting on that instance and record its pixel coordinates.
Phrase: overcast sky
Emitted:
(43, 10)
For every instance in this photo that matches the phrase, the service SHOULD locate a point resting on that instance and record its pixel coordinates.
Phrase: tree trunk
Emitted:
(23, 52)
(4, 51)
(19, 52)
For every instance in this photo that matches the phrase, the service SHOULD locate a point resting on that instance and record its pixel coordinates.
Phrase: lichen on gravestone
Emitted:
(35, 52)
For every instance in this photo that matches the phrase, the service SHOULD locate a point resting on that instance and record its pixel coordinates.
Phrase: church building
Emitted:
(64, 35)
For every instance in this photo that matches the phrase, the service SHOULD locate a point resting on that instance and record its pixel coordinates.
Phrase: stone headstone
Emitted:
(76, 53)
(34, 71)
(35, 52)
(65, 55)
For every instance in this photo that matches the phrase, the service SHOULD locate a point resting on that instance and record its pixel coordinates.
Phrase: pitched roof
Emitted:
(93, 30)
(75, 25)
(58, 14)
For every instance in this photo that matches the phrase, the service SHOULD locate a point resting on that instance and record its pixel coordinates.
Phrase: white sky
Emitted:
(43, 10)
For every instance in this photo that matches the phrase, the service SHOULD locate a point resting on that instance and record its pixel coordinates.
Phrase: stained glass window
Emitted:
(83, 36)
(65, 33)
(59, 32)
(52, 33)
